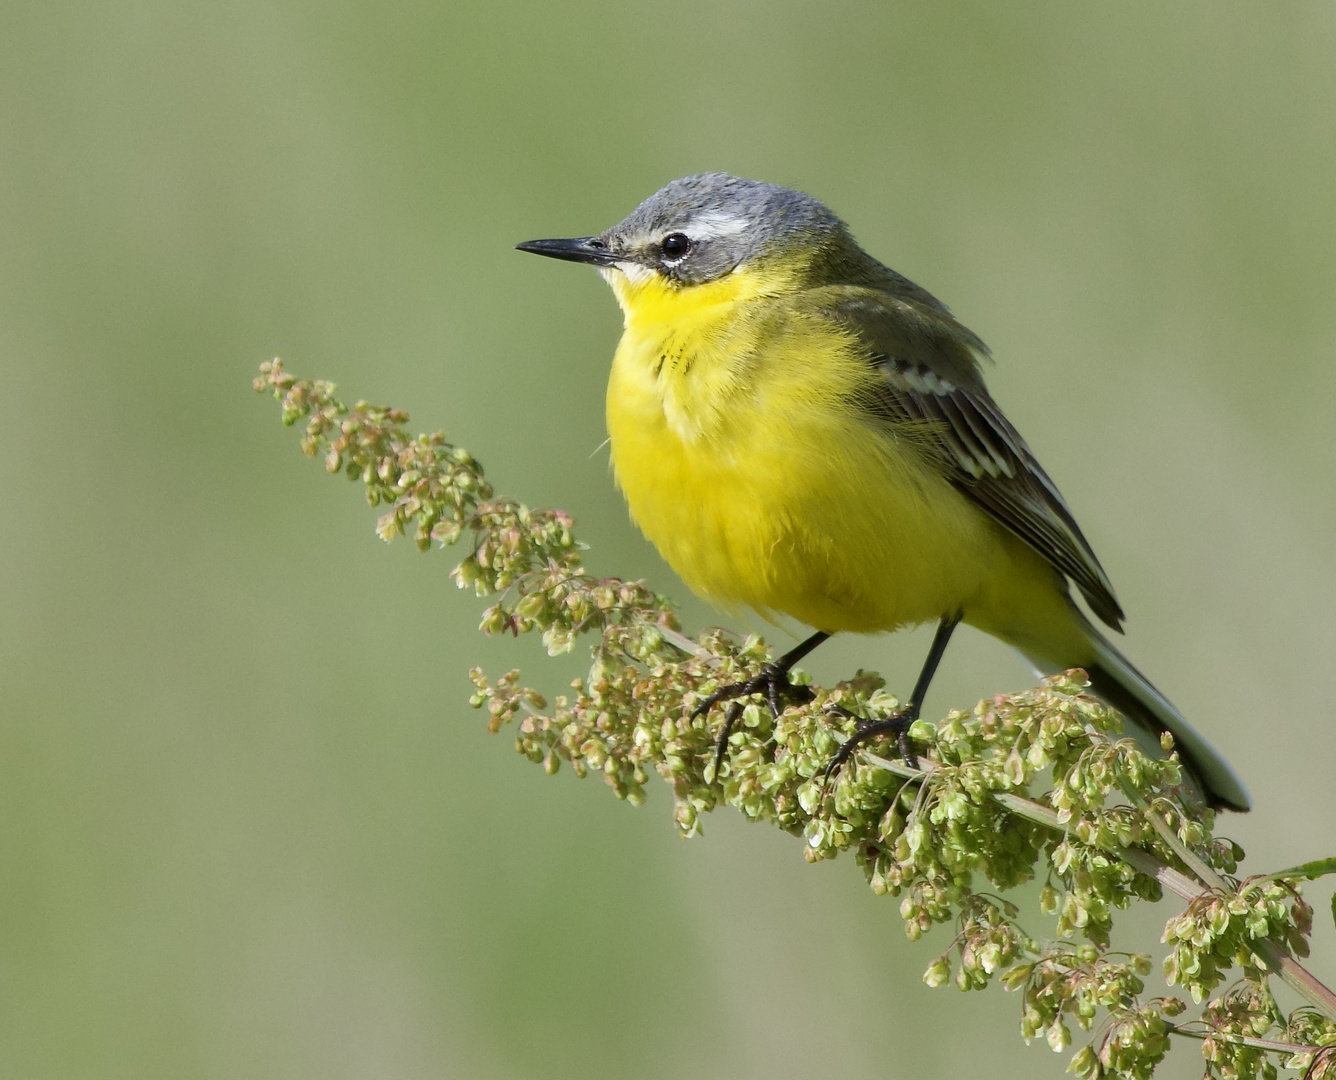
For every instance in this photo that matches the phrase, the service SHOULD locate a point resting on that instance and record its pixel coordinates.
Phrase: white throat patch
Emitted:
(633, 272)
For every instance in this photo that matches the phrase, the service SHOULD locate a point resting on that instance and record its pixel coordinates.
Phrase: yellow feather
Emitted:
(741, 458)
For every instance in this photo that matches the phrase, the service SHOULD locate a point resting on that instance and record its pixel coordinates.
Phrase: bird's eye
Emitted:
(675, 245)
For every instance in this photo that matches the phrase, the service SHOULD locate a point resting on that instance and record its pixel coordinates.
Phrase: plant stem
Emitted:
(1248, 1040)
(680, 640)
(1206, 874)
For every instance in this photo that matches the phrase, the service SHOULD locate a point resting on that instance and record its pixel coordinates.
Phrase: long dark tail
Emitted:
(1117, 683)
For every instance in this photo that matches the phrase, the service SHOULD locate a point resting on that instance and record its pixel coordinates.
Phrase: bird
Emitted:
(801, 431)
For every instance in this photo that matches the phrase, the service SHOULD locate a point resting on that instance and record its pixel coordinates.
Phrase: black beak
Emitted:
(584, 249)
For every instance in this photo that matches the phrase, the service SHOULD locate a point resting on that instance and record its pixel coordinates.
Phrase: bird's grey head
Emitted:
(702, 227)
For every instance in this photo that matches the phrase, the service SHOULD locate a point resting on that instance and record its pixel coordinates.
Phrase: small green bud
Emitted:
(922, 731)
(1058, 1037)
(938, 973)
(1085, 1063)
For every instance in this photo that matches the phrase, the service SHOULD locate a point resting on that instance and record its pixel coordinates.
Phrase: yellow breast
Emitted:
(743, 459)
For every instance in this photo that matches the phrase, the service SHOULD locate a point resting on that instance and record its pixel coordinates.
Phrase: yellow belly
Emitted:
(742, 460)
(838, 540)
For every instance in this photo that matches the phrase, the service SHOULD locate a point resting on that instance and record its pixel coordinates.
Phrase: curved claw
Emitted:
(773, 682)
(898, 724)
(721, 743)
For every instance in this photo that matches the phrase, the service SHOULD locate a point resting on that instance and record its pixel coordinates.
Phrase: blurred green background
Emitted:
(249, 825)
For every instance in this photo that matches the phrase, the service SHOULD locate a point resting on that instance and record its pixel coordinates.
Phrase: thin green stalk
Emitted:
(1247, 1040)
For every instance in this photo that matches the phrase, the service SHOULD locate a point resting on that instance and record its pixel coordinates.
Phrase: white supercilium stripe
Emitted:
(712, 224)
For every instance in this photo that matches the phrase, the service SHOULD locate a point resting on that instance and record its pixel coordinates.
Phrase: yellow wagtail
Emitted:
(801, 430)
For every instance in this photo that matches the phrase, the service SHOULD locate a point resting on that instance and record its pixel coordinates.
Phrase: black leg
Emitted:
(773, 681)
(899, 722)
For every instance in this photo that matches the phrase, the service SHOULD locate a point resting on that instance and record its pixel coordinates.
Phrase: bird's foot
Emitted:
(897, 723)
(772, 682)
